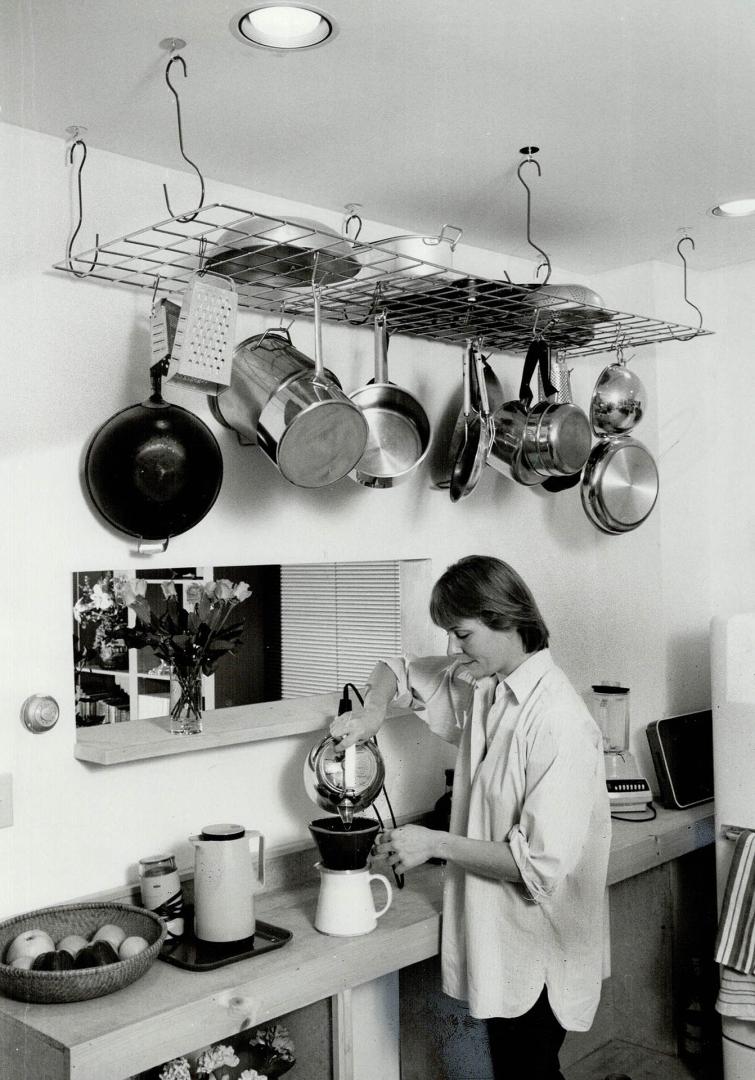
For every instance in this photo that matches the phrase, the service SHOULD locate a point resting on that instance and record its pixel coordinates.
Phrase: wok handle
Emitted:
(152, 547)
(381, 349)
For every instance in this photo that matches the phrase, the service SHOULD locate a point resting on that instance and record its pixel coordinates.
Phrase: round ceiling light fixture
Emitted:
(735, 208)
(283, 26)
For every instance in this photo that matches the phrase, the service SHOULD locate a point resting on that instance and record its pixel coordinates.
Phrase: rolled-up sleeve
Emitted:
(431, 684)
(548, 840)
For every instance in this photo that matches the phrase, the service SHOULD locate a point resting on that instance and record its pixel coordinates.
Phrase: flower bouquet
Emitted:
(269, 1054)
(192, 639)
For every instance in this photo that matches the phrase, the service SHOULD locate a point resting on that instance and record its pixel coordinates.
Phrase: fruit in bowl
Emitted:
(57, 960)
(71, 943)
(132, 946)
(95, 954)
(111, 933)
(29, 943)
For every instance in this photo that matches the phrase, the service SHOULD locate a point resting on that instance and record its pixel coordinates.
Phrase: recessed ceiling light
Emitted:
(735, 208)
(283, 26)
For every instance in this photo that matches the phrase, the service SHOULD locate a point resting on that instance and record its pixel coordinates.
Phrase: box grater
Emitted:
(202, 354)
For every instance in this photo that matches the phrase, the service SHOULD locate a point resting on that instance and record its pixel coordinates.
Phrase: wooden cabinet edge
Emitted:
(138, 740)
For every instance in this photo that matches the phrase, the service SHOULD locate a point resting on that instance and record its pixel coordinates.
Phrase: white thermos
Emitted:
(225, 880)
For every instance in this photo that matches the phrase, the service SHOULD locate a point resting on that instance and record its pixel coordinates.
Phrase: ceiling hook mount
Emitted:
(688, 337)
(352, 217)
(75, 133)
(528, 151)
(173, 43)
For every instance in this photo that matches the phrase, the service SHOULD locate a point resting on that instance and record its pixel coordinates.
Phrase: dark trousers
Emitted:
(526, 1047)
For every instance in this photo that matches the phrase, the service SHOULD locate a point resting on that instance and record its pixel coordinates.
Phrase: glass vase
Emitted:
(185, 703)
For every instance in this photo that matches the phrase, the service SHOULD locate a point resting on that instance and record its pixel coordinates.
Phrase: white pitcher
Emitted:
(345, 907)
(225, 881)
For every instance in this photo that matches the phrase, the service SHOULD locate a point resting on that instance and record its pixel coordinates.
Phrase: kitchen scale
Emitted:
(628, 790)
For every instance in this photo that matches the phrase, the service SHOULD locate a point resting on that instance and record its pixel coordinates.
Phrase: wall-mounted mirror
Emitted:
(308, 629)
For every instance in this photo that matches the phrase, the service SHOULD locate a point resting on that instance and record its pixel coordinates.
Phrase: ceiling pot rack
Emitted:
(438, 304)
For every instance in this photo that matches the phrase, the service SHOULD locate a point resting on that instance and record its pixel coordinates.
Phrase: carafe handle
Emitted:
(252, 834)
(389, 891)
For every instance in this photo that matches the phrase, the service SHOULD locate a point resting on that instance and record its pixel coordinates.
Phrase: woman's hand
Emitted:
(354, 728)
(407, 846)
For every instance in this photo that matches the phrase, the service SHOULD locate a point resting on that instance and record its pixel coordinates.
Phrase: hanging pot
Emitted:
(509, 423)
(557, 437)
(306, 425)
(399, 430)
(475, 446)
(619, 484)
(297, 252)
(495, 399)
(153, 470)
(559, 373)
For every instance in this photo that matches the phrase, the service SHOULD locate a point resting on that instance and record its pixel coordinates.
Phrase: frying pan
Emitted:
(619, 484)
(475, 445)
(153, 470)
(454, 440)
(399, 430)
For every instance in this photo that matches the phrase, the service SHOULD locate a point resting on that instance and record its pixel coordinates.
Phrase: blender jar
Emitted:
(610, 709)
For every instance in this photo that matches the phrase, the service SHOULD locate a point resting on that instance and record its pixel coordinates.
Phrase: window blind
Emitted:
(338, 619)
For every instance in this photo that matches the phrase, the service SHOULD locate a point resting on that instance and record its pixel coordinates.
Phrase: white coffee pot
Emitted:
(225, 881)
(345, 906)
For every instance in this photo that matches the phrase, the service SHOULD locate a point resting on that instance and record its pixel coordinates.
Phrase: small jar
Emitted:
(161, 891)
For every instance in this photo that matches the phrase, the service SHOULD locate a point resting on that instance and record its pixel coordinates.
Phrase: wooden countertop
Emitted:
(169, 1010)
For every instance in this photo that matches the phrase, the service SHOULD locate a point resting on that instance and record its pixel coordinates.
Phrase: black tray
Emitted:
(192, 953)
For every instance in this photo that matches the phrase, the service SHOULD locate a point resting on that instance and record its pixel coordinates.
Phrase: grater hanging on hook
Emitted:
(201, 356)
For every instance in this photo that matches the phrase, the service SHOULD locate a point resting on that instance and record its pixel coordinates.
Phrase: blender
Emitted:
(628, 790)
(344, 782)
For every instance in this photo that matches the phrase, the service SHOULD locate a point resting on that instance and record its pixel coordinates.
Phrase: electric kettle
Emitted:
(225, 881)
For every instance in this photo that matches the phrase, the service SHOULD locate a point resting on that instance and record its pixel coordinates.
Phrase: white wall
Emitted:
(624, 607)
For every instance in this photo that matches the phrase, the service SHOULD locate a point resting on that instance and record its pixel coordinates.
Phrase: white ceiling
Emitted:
(643, 111)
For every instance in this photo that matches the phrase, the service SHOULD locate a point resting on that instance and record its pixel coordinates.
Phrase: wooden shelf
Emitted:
(136, 740)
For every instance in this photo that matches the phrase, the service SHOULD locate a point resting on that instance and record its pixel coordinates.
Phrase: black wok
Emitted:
(153, 470)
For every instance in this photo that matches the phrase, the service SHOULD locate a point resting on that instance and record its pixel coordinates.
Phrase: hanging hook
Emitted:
(529, 160)
(688, 337)
(80, 273)
(350, 216)
(189, 217)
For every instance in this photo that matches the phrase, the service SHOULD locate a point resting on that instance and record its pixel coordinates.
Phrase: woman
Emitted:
(527, 849)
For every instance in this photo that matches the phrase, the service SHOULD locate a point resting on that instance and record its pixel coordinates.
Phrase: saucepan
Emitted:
(399, 430)
(509, 424)
(153, 470)
(556, 440)
(409, 254)
(618, 400)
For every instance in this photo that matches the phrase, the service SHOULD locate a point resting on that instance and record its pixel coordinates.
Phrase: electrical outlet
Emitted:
(6, 800)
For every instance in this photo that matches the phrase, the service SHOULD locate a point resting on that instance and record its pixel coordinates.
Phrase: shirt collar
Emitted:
(522, 681)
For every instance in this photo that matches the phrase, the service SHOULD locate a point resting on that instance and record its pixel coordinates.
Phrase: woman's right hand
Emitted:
(354, 728)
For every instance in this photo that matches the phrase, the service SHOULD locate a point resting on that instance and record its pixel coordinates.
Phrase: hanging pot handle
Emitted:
(528, 370)
(465, 381)
(319, 377)
(381, 348)
(152, 547)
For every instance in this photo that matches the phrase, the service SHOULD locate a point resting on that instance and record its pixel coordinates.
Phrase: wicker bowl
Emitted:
(82, 983)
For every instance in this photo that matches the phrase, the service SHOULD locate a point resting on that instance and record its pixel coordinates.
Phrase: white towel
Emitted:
(735, 940)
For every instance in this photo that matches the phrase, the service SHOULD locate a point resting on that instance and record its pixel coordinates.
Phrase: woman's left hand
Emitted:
(406, 847)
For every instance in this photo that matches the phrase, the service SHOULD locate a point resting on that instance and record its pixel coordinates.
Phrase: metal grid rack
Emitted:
(274, 263)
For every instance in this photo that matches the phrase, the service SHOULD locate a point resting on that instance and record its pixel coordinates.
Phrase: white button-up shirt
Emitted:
(530, 773)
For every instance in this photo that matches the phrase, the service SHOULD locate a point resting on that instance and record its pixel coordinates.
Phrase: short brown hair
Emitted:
(485, 588)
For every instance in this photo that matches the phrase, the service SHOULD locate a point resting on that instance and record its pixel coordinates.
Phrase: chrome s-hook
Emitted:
(174, 92)
(688, 337)
(350, 216)
(529, 160)
(80, 273)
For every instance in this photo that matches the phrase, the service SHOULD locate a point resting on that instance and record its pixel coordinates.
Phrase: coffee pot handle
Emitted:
(389, 891)
(252, 834)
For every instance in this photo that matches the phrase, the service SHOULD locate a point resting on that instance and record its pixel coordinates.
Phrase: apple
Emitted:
(132, 946)
(24, 962)
(71, 943)
(111, 933)
(29, 943)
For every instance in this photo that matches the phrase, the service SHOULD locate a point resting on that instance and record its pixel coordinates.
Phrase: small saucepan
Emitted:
(618, 400)
(557, 438)
(399, 430)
